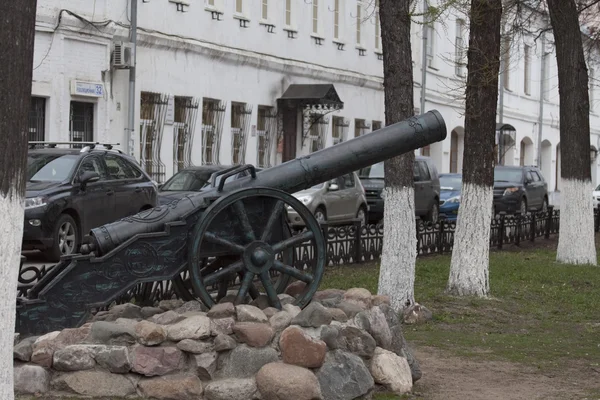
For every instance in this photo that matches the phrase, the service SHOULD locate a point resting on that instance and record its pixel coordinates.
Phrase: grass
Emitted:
(539, 313)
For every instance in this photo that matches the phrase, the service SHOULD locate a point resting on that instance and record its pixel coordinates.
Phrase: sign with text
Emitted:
(89, 89)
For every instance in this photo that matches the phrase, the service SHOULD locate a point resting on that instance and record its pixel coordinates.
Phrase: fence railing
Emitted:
(352, 244)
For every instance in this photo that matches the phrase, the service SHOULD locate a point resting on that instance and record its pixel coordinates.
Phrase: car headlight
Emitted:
(305, 199)
(35, 202)
(455, 199)
(510, 191)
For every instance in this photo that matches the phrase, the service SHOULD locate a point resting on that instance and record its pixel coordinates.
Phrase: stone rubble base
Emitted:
(344, 345)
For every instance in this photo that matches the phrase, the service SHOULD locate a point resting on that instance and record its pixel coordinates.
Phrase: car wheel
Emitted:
(320, 215)
(361, 215)
(66, 238)
(523, 206)
(434, 213)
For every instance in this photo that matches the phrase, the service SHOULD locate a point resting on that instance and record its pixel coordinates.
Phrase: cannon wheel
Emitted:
(257, 255)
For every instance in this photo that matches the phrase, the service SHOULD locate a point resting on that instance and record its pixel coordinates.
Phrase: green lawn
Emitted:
(539, 313)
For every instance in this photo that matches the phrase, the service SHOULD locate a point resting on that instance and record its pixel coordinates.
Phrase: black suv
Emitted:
(519, 189)
(427, 189)
(70, 191)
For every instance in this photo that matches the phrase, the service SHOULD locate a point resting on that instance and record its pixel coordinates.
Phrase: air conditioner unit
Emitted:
(122, 55)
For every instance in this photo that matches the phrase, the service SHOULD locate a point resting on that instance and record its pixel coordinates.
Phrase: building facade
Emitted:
(263, 81)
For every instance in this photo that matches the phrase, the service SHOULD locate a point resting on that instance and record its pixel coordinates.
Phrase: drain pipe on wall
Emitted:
(131, 107)
(424, 58)
(541, 112)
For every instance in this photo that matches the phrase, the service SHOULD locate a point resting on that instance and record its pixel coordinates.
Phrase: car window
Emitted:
(416, 172)
(91, 164)
(529, 176)
(348, 181)
(118, 168)
(537, 177)
(424, 171)
(508, 175)
(374, 171)
(50, 167)
(187, 181)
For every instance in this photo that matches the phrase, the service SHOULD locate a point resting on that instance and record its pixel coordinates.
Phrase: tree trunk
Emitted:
(576, 237)
(17, 33)
(399, 253)
(469, 269)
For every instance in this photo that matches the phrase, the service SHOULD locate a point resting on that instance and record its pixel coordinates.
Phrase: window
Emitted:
(453, 152)
(506, 62)
(213, 112)
(266, 132)
(339, 130)
(348, 181)
(377, 27)
(37, 119)
(315, 16)
(360, 127)
(91, 164)
(239, 7)
(358, 21)
(376, 125)
(81, 122)
(546, 77)
(240, 118)
(426, 151)
(265, 9)
(119, 169)
(423, 170)
(430, 43)
(460, 48)
(591, 90)
(288, 12)
(527, 69)
(336, 20)
(211, 2)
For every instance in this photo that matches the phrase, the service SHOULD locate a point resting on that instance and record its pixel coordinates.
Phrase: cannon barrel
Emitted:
(291, 176)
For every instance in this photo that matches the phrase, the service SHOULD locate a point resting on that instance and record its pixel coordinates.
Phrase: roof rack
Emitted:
(87, 145)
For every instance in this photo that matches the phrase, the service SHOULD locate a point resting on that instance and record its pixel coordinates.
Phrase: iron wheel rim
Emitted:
(252, 251)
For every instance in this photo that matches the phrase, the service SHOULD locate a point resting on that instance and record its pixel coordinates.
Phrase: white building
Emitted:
(229, 81)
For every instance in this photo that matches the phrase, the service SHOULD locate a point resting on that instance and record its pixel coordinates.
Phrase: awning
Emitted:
(311, 94)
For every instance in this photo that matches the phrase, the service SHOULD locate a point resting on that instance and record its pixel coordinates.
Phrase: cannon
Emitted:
(233, 230)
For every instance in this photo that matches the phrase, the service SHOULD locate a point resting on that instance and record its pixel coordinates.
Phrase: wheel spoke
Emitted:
(244, 287)
(211, 237)
(293, 272)
(240, 210)
(230, 269)
(294, 240)
(271, 222)
(271, 292)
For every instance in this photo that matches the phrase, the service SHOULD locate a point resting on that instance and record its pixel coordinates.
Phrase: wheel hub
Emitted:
(258, 257)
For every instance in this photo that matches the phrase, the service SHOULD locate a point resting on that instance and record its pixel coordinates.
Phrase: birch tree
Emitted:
(576, 241)
(17, 32)
(469, 269)
(399, 253)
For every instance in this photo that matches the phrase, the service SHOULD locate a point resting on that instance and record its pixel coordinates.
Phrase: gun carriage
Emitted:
(236, 229)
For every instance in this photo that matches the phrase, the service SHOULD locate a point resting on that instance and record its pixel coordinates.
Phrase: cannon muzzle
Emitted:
(292, 176)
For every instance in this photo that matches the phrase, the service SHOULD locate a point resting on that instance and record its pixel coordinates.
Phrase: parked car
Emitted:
(70, 191)
(338, 201)
(596, 196)
(192, 179)
(519, 188)
(427, 189)
(450, 188)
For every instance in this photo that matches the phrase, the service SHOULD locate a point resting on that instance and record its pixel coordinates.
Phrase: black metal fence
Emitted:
(351, 244)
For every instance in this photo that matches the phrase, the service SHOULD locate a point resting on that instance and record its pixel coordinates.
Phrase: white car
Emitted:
(596, 197)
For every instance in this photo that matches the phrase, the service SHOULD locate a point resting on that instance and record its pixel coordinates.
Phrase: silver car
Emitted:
(338, 201)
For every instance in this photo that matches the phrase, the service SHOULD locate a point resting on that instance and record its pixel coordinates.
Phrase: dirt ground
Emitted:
(453, 378)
